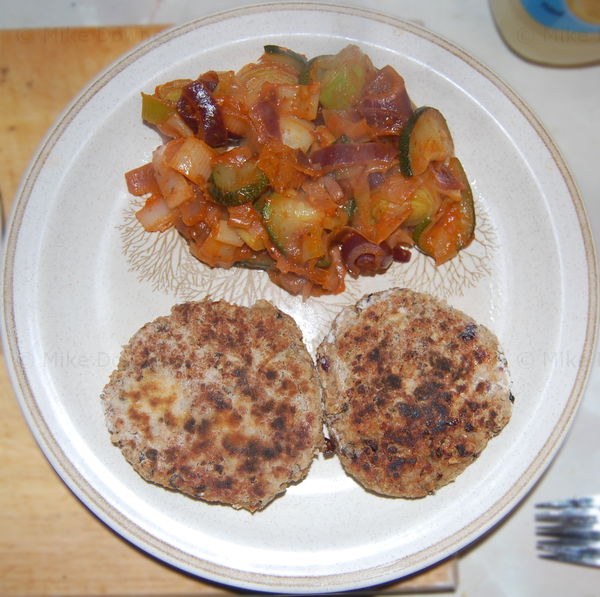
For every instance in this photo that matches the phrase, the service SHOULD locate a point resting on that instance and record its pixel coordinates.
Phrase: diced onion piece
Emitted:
(192, 212)
(315, 189)
(175, 126)
(254, 241)
(299, 100)
(234, 156)
(254, 76)
(235, 123)
(227, 235)
(193, 160)
(286, 168)
(217, 254)
(347, 122)
(173, 185)
(141, 180)
(155, 216)
(171, 91)
(248, 224)
(295, 132)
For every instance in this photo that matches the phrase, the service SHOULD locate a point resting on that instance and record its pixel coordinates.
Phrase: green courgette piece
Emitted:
(286, 57)
(260, 261)
(315, 68)
(350, 207)
(324, 262)
(290, 219)
(454, 228)
(234, 184)
(424, 138)
(342, 77)
(423, 205)
(340, 90)
(418, 229)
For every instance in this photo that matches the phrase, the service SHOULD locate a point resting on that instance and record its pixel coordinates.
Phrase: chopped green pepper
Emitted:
(154, 110)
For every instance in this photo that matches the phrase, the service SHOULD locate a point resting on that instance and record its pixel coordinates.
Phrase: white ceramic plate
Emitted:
(79, 279)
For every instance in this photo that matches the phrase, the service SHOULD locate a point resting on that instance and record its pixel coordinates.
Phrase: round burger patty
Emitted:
(413, 391)
(217, 401)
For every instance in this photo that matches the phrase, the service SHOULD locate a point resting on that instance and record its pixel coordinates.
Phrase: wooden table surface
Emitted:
(50, 544)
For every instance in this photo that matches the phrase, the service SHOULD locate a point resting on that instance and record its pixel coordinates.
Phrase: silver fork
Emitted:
(571, 529)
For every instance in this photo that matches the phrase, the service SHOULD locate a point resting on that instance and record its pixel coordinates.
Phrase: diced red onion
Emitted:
(394, 244)
(445, 177)
(363, 257)
(349, 154)
(293, 283)
(401, 254)
(265, 118)
(385, 104)
(375, 179)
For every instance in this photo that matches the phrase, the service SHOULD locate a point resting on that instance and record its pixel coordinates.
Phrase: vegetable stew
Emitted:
(308, 169)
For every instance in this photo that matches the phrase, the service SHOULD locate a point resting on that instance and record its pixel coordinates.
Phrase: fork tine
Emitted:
(587, 518)
(557, 543)
(572, 559)
(573, 555)
(583, 517)
(568, 533)
(591, 501)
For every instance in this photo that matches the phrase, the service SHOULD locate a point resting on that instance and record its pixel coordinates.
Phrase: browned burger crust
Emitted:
(413, 391)
(217, 401)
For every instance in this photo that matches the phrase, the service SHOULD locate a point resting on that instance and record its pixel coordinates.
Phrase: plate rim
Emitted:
(213, 572)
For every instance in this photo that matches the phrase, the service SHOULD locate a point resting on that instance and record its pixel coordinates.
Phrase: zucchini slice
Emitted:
(453, 228)
(286, 57)
(425, 138)
(294, 225)
(260, 261)
(424, 204)
(418, 230)
(342, 76)
(234, 184)
(316, 68)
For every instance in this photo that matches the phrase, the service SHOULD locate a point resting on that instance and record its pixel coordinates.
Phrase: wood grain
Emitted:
(50, 544)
